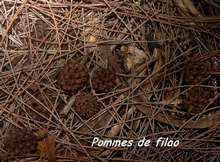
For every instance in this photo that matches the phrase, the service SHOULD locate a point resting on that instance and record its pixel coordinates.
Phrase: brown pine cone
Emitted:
(20, 141)
(73, 76)
(197, 98)
(103, 80)
(86, 105)
(196, 72)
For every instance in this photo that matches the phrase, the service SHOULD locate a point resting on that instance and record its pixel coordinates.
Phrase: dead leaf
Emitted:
(46, 147)
(191, 7)
(134, 56)
(187, 6)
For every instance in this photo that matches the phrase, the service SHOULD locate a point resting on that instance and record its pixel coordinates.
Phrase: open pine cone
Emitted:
(86, 105)
(103, 80)
(196, 72)
(197, 98)
(73, 76)
(20, 141)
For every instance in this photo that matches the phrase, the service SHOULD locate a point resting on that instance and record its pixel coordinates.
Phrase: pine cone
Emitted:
(73, 76)
(197, 98)
(20, 141)
(103, 80)
(196, 72)
(86, 105)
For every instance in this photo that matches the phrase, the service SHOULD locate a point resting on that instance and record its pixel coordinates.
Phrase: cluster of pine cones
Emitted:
(75, 76)
(72, 78)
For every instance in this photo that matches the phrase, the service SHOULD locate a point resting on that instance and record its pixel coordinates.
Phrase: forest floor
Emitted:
(75, 71)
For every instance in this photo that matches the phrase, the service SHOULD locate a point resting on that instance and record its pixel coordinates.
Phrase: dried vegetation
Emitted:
(73, 70)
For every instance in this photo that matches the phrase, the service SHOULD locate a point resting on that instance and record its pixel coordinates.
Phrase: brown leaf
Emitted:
(134, 56)
(47, 149)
